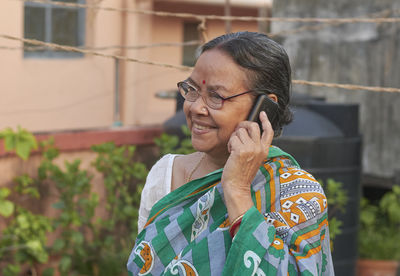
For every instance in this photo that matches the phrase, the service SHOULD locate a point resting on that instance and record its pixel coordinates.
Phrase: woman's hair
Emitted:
(266, 63)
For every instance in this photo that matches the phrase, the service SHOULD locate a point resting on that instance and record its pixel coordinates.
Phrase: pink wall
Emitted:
(66, 94)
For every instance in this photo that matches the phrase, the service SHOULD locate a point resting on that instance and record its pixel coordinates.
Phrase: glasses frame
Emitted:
(179, 84)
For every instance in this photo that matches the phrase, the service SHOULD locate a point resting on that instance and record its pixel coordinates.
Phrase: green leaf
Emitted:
(23, 221)
(77, 237)
(6, 208)
(48, 272)
(11, 270)
(4, 192)
(65, 263)
(59, 205)
(58, 244)
(35, 248)
(23, 149)
(128, 210)
(9, 140)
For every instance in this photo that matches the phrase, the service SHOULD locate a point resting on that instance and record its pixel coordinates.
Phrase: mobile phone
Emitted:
(264, 103)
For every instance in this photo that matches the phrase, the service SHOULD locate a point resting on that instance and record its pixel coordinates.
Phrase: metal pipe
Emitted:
(120, 70)
(117, 114)
(228, 25)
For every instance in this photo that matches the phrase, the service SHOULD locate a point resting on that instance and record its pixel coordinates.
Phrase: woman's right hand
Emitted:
(248, 149)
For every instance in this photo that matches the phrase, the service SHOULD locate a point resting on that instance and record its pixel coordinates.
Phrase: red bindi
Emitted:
(204, 81)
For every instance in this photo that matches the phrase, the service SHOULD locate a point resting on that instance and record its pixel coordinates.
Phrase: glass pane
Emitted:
(190, 33)
(34, 24)
(65, 26)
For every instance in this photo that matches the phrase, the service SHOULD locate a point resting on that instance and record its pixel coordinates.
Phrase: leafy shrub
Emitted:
(172, 144)
(379, 235)
(337, 200)
(87, 244)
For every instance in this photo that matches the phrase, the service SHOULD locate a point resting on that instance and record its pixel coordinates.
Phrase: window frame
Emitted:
(50, 53)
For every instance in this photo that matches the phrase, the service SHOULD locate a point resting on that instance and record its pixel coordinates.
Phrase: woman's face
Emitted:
(211, 129)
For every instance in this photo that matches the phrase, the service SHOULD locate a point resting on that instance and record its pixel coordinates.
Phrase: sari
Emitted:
(284, 233)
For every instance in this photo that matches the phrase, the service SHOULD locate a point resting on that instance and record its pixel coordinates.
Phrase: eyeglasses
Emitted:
(211, 98)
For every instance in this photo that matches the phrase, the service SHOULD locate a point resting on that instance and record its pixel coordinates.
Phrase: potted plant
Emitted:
(379, 236)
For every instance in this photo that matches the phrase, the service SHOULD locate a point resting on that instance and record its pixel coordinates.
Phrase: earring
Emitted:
(203, 109)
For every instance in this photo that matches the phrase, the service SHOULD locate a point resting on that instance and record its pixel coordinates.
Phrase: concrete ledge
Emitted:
(84, 139)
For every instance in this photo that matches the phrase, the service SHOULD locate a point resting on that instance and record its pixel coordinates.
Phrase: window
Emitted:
(190, 33)
(55, 24)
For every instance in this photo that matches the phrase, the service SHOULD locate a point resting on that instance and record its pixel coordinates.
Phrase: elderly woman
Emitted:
(237, 206)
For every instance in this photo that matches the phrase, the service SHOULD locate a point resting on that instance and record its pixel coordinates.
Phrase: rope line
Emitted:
(135, 47)
(187, 68)
(347, 86)
(77, 50)
(226, 18)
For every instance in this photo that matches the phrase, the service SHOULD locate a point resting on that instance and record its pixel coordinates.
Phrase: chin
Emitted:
(200, 147)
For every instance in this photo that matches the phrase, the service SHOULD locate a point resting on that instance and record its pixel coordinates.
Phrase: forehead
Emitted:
(215, 67)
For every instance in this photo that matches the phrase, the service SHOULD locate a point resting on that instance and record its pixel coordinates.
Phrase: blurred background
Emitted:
(89, 72)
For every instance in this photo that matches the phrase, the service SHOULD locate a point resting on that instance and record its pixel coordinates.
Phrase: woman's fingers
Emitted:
(268, 133)
(243, 135)
(252, 128)
(233, 143)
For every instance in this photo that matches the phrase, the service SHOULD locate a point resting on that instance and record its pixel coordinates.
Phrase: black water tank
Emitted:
(324, 139)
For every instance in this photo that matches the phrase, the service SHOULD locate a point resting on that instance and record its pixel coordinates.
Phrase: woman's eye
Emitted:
(190, 89)
(214, 95)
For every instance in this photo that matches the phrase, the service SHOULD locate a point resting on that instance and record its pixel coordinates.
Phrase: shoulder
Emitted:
(296, 189)
(158, 174)
(292, 178)
(163, 162)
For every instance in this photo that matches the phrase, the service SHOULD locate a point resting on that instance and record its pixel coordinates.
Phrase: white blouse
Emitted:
(158, 184)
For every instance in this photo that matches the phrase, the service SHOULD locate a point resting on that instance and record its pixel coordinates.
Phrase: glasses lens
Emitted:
(214, 100)
(187, 91)
(191, 94)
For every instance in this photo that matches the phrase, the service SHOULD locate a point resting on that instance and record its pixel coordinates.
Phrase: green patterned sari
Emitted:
(285, 233)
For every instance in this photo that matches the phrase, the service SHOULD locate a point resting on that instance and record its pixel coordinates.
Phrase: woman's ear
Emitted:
(273, 97)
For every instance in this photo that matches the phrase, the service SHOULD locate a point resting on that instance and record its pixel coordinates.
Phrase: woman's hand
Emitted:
(248, 149)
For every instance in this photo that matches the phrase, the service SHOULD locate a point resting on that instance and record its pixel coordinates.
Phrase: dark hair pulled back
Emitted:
(267, 64)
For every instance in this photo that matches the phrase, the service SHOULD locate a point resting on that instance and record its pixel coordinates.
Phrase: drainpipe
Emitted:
(120, 70)
(264, 11)
(228, 27)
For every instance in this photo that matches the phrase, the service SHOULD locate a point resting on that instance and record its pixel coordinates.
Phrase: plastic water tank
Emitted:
(324, 139)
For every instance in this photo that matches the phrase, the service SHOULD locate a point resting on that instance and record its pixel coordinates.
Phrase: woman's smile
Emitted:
(199, 127)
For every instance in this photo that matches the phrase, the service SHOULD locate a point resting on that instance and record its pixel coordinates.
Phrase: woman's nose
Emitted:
(199, 106)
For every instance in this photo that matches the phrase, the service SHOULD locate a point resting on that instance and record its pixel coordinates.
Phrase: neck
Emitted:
(214, 162)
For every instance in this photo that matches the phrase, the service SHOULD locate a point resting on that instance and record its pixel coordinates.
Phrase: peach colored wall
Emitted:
(53, 94)
(64, 94)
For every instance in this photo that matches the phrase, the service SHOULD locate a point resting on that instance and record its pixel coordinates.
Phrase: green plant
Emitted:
(22, 141)
(23, 240)
(379, 235)
(172, 144)
(89, 244)
(337, 200)
(93, 238)
(6, 206)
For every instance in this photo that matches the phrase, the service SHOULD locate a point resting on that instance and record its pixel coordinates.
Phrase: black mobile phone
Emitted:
(264, 103)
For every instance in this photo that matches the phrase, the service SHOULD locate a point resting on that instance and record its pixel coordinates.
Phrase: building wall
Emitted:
(44, 95)
(54, 94)
(364, 54)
